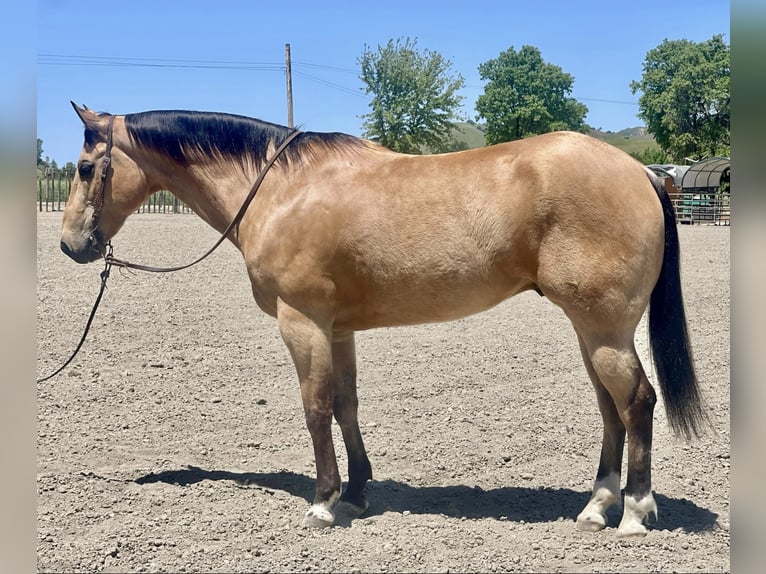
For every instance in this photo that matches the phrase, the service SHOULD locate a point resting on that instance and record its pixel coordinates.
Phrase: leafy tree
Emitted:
(40, 161)
(414, 99)
(685, 99)
(650, 155)
(526, 96)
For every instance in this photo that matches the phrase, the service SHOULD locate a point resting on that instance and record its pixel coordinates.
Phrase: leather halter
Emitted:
(98, 200)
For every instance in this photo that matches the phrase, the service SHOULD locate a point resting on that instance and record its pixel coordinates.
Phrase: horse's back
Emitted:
(412, 239)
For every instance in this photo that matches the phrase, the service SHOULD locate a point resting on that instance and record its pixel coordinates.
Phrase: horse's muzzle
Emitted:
(89, 251)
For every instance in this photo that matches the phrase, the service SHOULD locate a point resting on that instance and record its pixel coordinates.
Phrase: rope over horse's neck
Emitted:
(237, 218)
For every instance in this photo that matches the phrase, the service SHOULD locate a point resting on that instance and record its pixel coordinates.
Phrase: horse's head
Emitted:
(107, 187)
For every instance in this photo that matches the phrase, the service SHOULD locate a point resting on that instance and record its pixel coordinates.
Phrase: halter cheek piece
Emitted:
(98, 200)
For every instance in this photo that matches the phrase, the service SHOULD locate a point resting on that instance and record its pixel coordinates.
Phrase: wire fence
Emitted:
(55, 185)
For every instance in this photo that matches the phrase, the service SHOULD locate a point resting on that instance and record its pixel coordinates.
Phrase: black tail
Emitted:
(668, 336)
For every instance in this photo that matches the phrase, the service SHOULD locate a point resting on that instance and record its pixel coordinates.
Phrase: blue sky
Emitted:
(228, 55)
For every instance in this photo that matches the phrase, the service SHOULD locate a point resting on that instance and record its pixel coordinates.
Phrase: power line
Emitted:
(76, 60)
(330, 68)
(130, 62)
(584, 99)
(62, 58)
(330, 84)
(127, 62)
(70, 60)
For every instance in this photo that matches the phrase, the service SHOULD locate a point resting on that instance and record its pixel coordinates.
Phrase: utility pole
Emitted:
(289, 74)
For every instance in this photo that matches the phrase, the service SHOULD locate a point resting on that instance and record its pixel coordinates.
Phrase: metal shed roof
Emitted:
(670, 170)
(705, 174)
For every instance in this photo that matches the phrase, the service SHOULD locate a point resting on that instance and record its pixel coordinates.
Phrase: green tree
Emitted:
(685, 97)
(526, 96)
(650, 155)
(40, 161)
(414, 100)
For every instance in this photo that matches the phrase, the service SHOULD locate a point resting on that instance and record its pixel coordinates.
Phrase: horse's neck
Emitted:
(214, 192)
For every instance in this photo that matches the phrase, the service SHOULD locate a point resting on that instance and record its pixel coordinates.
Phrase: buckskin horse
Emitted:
(345, 235)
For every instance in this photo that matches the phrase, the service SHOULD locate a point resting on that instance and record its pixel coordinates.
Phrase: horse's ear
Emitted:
(90, 119)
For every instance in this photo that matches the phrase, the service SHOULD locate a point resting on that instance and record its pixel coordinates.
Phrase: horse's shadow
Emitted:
(513, 503)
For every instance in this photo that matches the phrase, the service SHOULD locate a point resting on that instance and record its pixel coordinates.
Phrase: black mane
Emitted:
(189, 137)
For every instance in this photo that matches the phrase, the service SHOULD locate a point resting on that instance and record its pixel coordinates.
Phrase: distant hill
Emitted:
(630, 140)
(469, 134)
(638, 132)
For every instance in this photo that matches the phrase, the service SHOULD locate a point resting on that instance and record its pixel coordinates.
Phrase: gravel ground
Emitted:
(175, 442)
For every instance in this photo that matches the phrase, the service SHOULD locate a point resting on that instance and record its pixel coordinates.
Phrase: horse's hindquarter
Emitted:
(388, 239)
(602, 232)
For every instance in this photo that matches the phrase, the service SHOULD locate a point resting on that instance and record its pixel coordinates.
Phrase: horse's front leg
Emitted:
(346, 405)
(310, 345)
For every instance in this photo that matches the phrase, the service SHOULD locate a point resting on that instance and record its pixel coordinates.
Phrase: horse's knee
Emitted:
(318, 419)
(344, 384)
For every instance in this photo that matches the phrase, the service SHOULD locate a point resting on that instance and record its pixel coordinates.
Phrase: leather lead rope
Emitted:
(104, 277)
(110, 260)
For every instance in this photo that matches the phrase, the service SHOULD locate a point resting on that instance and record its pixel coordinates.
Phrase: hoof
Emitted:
(350, 509)
(633, 531)
(636, 513)
(591, 523)
(318, 517)
(605, 493)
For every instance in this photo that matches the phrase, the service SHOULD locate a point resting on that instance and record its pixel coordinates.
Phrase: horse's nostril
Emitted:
(72, 254)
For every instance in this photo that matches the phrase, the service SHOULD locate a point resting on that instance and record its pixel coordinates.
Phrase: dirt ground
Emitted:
(175, 442)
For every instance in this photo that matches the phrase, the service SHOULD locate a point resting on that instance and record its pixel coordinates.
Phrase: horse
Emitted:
(344, 235)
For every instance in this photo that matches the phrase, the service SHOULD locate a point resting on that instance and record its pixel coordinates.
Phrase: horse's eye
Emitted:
(85, 169)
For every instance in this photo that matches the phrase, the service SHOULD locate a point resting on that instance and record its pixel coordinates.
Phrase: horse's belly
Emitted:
(440, 301)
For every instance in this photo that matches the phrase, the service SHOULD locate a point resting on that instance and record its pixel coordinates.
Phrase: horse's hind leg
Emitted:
(618, 367)
(345, 407)
(606, 489)
(310, 347)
